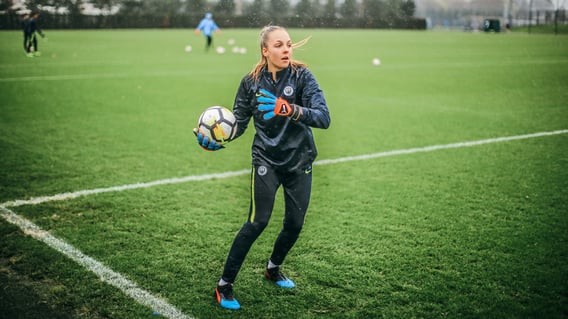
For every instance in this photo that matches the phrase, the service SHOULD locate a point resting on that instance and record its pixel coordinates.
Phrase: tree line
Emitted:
(229, 13)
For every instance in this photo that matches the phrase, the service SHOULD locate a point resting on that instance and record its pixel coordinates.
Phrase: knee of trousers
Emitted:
(254, 228)
(293, 227)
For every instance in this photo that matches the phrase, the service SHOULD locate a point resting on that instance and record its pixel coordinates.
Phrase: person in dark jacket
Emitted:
(33, 31)
(25, 29)
(285, 101)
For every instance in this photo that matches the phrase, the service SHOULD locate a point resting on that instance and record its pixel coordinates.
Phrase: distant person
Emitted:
(33, 31)
(285, 102)
(25, 29)
(207, 26)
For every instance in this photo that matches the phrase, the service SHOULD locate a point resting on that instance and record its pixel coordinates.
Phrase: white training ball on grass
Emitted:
(220, 50)
(235, 49)
(231, 41)
(188, 48)
(376, 61)
(243, 50)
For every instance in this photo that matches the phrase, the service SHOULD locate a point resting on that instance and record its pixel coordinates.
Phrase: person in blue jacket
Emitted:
(285, 101)
(207, 26)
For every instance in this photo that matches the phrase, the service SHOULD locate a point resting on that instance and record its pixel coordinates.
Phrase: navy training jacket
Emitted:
(280, 142)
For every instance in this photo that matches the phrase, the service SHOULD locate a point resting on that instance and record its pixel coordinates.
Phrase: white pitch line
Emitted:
(105, 274)
(438, 147)
(65, 196)
(130, 288)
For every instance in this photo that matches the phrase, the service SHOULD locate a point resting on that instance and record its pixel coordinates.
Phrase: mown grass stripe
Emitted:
(70, 195)
(144, 297)
(103, 272)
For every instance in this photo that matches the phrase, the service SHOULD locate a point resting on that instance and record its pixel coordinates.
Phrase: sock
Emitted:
(223, 283)
(271, 265)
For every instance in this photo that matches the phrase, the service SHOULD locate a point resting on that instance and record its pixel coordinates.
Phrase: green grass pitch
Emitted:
(466, 232)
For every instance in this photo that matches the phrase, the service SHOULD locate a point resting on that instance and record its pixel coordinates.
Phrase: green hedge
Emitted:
(51, 21)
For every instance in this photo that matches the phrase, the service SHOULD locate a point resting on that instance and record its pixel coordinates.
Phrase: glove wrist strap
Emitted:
(296, 113)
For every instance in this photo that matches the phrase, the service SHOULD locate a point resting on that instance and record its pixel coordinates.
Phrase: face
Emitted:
(278, 50)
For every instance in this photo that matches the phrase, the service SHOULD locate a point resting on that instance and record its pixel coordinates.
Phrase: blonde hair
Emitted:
(257, 70)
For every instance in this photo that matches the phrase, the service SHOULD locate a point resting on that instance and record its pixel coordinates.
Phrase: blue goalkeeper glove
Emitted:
(206, 143)
(273, 106)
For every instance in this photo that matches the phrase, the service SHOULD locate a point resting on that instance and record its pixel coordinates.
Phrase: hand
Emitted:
(206, 143)
(272, 105)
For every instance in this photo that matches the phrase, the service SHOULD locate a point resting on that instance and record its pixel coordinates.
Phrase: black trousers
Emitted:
(209, 41)
(265, 181)
(26, 42)
(32, 43)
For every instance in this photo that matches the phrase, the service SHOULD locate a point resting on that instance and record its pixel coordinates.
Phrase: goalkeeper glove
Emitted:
(207, 143)
(277, 106)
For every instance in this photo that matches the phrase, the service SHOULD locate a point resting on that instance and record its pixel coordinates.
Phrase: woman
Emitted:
(285, 101)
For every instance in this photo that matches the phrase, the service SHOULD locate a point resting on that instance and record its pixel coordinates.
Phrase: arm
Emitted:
(216, 28)
(34, 27)
(315, 110)
(243, 106)
(199, 27)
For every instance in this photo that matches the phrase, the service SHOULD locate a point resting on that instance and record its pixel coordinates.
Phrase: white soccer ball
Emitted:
(218, 123)
(243, 50)
(188, 48)
(376, 61)
(231, 41)
(235, 49)
(220, 50)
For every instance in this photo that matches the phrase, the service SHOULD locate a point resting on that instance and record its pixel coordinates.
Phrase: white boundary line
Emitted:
(64, 196)
(439, 147)
(104, 273)
(130, 288)
(71, 195)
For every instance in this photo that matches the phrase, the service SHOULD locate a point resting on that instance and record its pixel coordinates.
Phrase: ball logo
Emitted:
(219, 132)
(262, 170)
(288, 91)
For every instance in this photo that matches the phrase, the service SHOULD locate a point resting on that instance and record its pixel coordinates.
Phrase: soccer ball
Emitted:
(218, 123)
